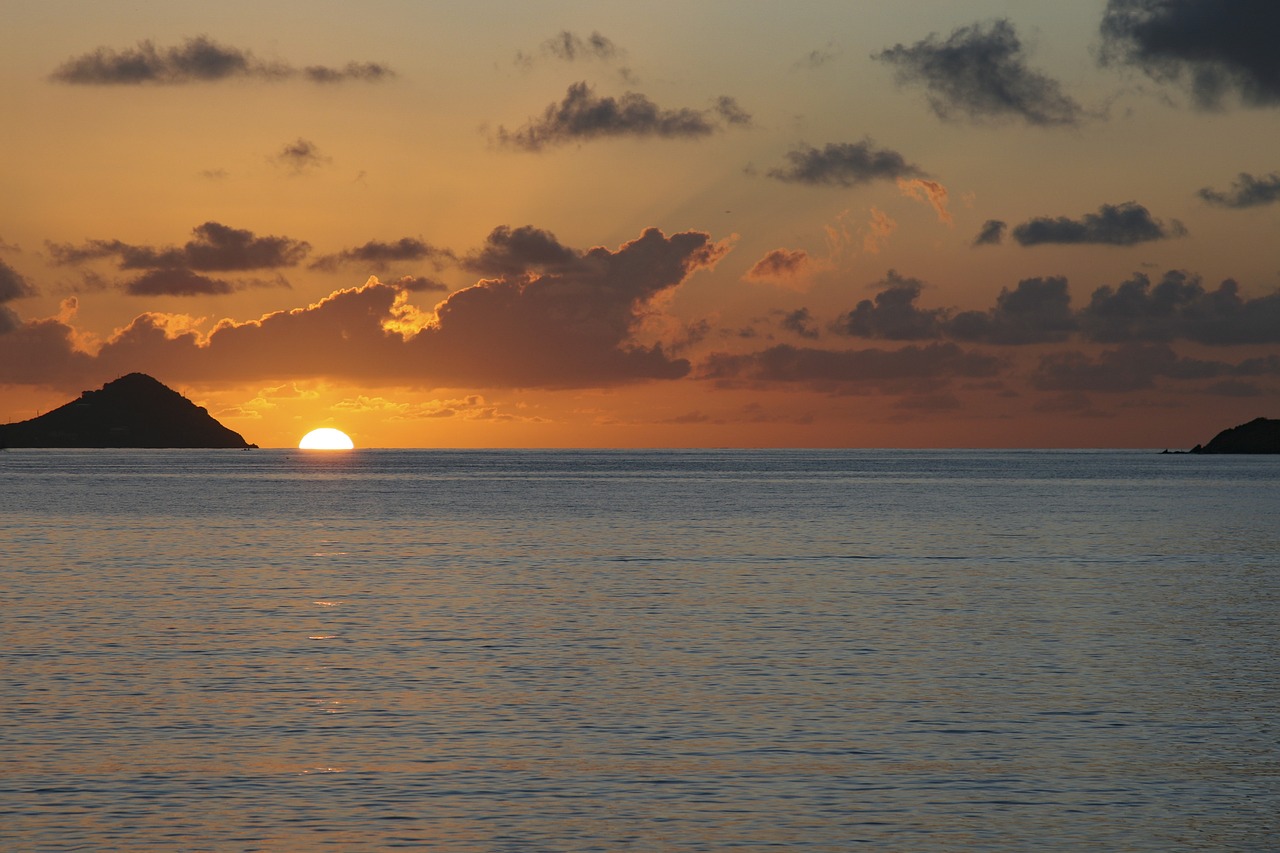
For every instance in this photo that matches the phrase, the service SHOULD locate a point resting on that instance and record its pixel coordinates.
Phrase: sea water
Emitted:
(566, 651)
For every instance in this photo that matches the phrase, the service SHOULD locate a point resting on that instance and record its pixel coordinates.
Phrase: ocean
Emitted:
(279, 650)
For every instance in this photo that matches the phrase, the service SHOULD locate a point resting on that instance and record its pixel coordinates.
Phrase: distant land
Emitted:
(132, 411)
(1260, 435)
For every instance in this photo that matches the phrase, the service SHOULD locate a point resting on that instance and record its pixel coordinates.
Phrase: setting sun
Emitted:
(326, 438)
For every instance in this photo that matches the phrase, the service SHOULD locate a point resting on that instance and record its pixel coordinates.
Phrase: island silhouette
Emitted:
(1260, 435)
(135, 410)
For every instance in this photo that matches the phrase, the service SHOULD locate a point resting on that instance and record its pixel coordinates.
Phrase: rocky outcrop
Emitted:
(1260, 435)
(133, 411)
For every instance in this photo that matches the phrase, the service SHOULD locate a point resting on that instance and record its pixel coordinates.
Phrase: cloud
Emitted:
(575, 327)
(13, 285)
(931, 192)
(1114, 225)
(175, 271)
(1246, 191)
(515, 251)
(844, 164)
(892, 314)
(583, 115)
(992, 233)
(567, 46)
(364, 72)
(732, 113)
(1037, 311)
(570, 47)
(574, 324)
(1179, 307)
(1136, 367)
(417, 283)
(980, 72)
(196, 60)
(785, 363)
(799, 321)
(1213, 47)
(877, 231)
(300, 156)
(786, 266)
(215, 247)
(818, 58)
(379, 256)
(176, 282)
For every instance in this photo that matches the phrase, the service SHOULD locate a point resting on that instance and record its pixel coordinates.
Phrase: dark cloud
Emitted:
(785, 363)
(196, 60)
(364, 72)
(731, 112)
(176, 271)
(992, 233)
(1246, 191)
(571, 328)
(176, 282)
(418, 283)
(377, 255)
(1113, 225)
(844, 164)
(1214, 47)
(799, 321)
(1037, 311)
(300, 156)
(573, 325)
(516, 251)
(892, 314)
(583, 115)
(818, 58)
(570, 47)
(1180, 307)
(980, 72)
(216, 247)
(1136, 367)
(13, 285)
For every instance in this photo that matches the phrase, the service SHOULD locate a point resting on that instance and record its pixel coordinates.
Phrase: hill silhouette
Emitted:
(1260, 435)
(132, 411)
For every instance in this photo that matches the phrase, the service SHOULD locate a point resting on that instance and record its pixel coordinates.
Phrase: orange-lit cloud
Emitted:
(930, 192)
(783, 266)
(877, 230)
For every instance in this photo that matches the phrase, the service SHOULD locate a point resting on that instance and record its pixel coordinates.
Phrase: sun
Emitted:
(326, 438)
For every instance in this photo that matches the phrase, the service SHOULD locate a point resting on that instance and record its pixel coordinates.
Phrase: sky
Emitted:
(730, 223)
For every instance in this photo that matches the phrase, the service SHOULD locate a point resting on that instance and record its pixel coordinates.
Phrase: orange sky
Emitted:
(717, 224)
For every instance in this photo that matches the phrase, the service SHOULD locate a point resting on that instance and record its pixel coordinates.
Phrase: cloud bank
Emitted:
(575, 326)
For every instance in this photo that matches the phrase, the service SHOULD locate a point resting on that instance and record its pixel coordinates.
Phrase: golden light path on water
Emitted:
(326, 438)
